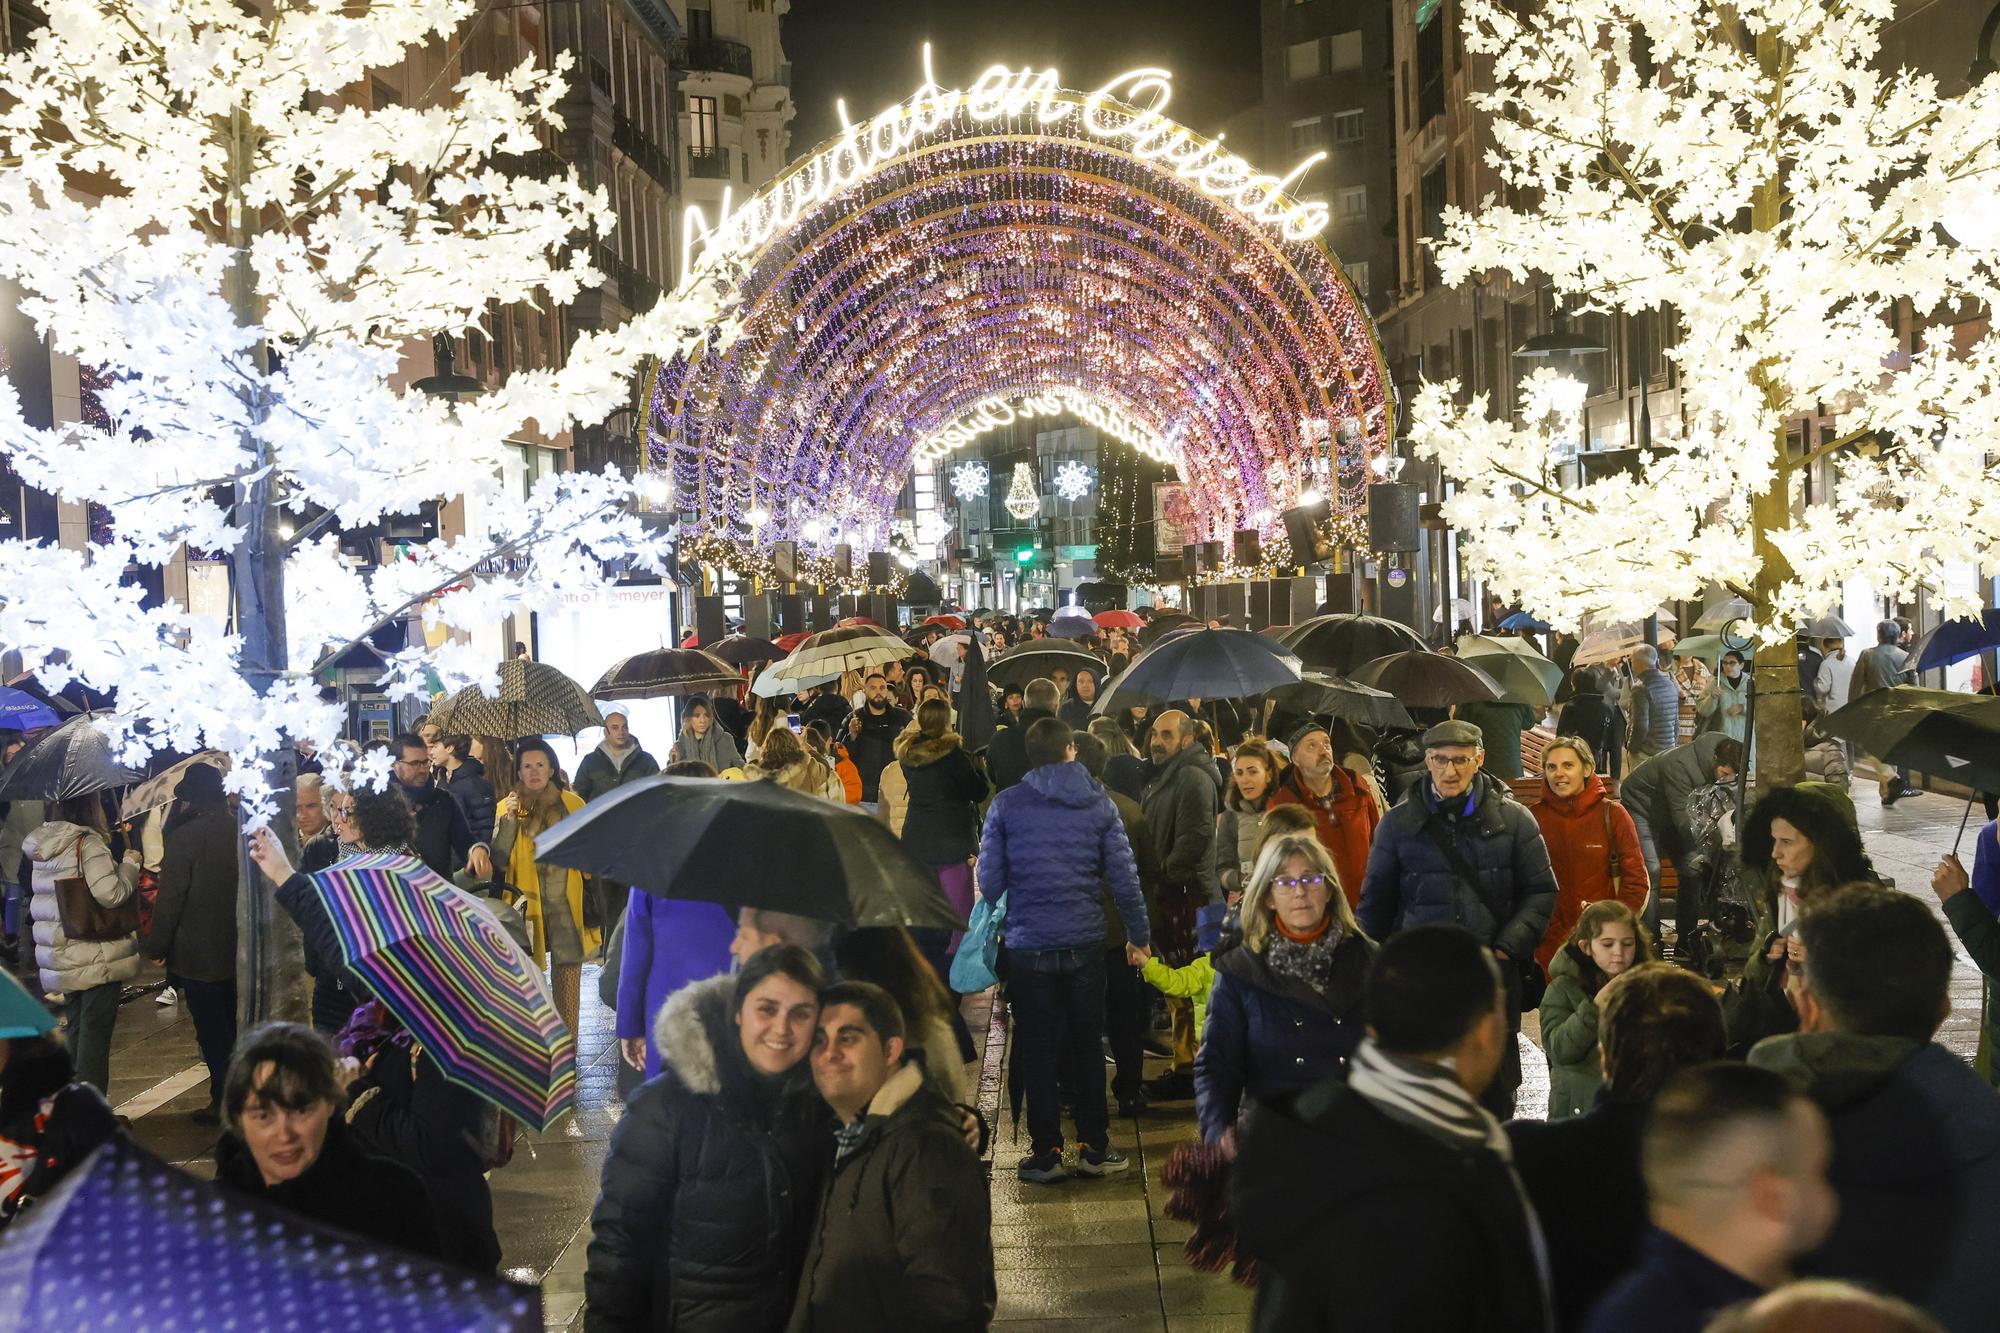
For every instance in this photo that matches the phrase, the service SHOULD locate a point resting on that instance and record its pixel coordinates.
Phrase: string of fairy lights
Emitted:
(994, 256)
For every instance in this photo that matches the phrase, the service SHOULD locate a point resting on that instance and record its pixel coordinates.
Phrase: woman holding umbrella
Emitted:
(704, 740)
(556, 924)
(89, 973)
(714, 1171)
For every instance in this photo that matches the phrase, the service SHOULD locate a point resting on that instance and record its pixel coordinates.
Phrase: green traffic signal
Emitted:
(1025, 555)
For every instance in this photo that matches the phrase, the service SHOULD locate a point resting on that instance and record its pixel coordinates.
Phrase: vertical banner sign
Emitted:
(1170, 502)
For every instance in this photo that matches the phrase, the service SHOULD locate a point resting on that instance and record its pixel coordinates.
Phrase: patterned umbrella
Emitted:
(445, 966)
(73, 760)
(827, 654)
(666, 671)
(535, 699)
(128, 1242)
(158, 791)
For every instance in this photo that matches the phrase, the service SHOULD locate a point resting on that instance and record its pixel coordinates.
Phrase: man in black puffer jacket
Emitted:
(715, 1168)
(1007, 752)
(1458, 848)
(904, 1238)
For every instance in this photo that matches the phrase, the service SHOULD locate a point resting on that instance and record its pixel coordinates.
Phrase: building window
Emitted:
(1302, 61)
(1308, 134)
(1358, 275)
(1351, 201)
(1432, 192)
(1323, 55)
(1430, 67)
(701, 23)
(704, 136)
(1349, 126)
(1344, 51)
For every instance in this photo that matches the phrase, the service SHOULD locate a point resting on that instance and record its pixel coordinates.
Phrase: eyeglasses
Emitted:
(340, 811)
(1297, 883)
(1451, 760)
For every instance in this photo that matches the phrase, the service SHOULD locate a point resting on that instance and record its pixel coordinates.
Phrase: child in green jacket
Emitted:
(1608, 940)
(1194, 981)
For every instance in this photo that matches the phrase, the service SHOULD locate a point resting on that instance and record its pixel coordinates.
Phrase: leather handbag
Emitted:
(86, 919)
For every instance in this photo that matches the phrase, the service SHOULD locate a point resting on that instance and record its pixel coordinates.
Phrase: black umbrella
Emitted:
(1331, 696)
(73, 760)
(745, 650)
(1037, 657)
(975, 700)
(666, 671)
(750, 844)
(1165, 623)
(1952, 735)
(1201, 664)
(1429, 680)
(1338, 644)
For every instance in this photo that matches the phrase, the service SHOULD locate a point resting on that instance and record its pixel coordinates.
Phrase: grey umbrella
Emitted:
(535, 699)
(73, 760)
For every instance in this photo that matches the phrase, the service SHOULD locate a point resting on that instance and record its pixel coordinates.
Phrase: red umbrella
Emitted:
(791, 641)
(851, 621)
(691, 641)
(949, 622)
(1118, 619)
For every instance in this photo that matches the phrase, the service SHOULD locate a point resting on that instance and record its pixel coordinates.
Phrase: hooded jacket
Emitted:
(1181, 804)
(1267, 1035)
(68, 965)
(941, 817)
(904, 1236)
(1076, 710)
(717, 749)
(599, 772)
(1410, 881)
(1051, 844)
(709, 1184)
(469, 786)
(1916, 1162)
(1588, 835)
(1358, 1221)
(1569, 1038)
(194, 918)
(1346, 819)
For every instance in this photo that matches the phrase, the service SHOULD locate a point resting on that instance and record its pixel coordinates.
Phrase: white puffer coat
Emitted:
(77, 965)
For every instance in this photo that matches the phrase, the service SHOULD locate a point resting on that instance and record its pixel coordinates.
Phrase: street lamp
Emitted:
(447, 383)
(1558, 341)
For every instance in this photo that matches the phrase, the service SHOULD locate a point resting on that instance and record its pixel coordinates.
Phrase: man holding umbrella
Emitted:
(871, 733)
(1181, 804)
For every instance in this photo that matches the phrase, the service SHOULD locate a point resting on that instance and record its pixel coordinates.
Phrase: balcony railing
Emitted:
(627, 138)
(716, 56)
(710, 164)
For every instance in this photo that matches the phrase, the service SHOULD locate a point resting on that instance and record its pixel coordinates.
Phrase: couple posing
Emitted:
(790, 1168)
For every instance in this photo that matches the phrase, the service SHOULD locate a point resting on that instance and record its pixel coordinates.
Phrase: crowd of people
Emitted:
(1330, 936)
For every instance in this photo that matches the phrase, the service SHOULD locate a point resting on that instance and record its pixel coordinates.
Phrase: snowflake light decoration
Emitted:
(970, 480)
(1073, 480)
(1022, 498)
(932, 527)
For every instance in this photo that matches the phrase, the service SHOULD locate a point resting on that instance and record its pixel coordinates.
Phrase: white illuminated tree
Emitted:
(1748, 167)
(197, 210)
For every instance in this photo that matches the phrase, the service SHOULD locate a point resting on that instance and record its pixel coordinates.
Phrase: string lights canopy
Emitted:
(969, 257)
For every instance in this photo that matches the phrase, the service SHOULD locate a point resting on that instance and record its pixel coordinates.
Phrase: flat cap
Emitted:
(1454, 732)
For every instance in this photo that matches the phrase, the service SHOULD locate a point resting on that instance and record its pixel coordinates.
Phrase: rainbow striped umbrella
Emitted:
(444, 965)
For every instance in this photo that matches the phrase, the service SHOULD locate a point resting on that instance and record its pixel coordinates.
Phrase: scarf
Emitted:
(539, 811)
(1308, 961)
(1428, 1099)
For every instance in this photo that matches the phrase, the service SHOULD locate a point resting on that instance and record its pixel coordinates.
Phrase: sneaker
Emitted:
(1105, 1161)
(166, 996)
(1043, 1168)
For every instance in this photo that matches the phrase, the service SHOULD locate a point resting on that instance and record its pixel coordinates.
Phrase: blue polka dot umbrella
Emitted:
(444, 965)
(127, 1242)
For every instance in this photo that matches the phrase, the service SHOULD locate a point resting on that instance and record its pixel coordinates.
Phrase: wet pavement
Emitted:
(1082, 1255)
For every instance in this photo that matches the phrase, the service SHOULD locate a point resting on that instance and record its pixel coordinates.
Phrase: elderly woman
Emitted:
(1593, 843)
(1285, 1009)
(704, 740)
(288, 1144)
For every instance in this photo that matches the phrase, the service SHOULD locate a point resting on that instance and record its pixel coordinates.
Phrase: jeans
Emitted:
(1125, 1010)
(1649, 848)
(92, 1015)
(212, 1007)
(1058, 999)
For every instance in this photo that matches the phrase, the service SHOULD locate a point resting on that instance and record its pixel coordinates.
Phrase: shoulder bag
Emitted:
(84, 918)
(1532, 980)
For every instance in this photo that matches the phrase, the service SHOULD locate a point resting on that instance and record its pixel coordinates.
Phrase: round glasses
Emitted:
(1297, 883)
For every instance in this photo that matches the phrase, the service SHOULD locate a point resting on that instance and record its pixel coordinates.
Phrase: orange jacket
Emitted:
(1581, 832)
(850, 776)
(1346, 818)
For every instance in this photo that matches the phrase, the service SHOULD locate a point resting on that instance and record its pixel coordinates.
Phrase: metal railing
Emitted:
(711, 164)
(715, 56)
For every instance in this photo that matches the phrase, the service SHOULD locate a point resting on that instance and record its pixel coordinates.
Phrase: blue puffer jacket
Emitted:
(1410, 882)
(1052, 842)
(1268, 1035)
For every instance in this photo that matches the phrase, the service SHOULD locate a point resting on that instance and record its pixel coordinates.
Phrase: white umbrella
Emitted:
(950, 650)
(827, 655)
(1719, 615)
(1613, 642)
(1461, 610)
(1830, 626)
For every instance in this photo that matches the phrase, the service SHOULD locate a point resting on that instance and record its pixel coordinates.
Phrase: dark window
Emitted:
(1432, 190)
(701, 26)
(1430, 69)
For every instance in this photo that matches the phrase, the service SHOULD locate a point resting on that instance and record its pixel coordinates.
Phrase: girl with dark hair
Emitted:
(1253, 777)
(714, 1172)
(89, 973)
(1607, 942)
(558, 928)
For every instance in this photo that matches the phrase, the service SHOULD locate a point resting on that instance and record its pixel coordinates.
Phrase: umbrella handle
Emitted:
(1963, 820)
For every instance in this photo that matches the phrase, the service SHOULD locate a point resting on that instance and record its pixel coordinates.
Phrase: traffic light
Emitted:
(1024, 555)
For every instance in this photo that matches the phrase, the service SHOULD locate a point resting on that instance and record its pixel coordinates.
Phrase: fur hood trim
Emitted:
(683, 1033)
(914, 749)
(900, 1087)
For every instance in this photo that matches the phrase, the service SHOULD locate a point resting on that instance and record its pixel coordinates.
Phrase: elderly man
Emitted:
(1458, 848)
(1342, 810)
(1656, 707)
(1180, 804)
(1883, 667)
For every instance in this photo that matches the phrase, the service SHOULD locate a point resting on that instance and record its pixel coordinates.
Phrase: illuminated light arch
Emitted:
(969, 254)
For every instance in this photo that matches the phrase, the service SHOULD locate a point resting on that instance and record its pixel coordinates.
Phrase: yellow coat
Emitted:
(518, 855)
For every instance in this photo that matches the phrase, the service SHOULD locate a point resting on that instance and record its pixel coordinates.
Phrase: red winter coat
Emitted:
(1346, 818)
(1581, 831)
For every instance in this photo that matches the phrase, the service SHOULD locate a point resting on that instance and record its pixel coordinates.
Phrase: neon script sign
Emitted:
(1127, 113)
(994, 412)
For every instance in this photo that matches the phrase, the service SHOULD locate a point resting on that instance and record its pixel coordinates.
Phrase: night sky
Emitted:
(870, 51)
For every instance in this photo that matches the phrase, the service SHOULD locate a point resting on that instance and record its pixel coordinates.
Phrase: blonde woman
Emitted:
(556, 925)
(1285, 1010)
(784, 760)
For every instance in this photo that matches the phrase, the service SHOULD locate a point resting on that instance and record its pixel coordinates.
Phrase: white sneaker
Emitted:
(166, 996)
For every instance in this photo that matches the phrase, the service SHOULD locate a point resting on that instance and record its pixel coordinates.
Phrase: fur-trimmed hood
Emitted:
(914, 749)
(685, 1030)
